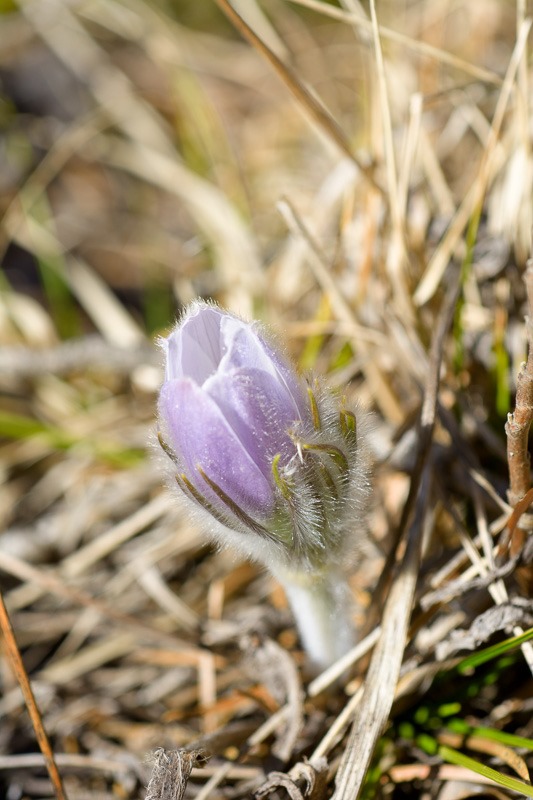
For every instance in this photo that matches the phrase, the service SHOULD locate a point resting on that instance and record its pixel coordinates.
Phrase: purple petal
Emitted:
(209, 341)
(259, 411)
(201, 436)
(193, 349)
(245, 348)
(289, 378)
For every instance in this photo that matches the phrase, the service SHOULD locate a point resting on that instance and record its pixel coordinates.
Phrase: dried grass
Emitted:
(333, 176)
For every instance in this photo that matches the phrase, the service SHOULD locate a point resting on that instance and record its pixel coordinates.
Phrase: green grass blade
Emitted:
(509, 739)
(53, 271)
(459, 759)
(496, 650)
(15, 426)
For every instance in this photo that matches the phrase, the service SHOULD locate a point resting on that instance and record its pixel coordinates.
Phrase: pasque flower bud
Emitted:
(276, 466)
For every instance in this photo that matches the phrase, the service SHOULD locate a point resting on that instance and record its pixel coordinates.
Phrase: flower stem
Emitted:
(321, 606)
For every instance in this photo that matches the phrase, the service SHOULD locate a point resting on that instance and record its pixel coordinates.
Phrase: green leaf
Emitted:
(448, 709)
(501, 375)
(508, 739)
(314, 344)
(15, 426)
(158, 304)
(471, 237)
(489, 653)
(53, 270)
(427, 743)
(459, 759)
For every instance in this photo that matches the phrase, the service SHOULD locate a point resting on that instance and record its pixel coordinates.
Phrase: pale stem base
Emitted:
(321, 604)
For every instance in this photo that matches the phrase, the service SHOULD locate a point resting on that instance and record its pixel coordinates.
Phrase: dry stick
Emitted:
(518, 424)
(315, 109)
(513, 540)
(380, 685)
(520, 508)
(17, 664)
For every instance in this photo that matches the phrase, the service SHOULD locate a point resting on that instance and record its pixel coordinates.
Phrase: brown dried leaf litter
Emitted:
(329, 177)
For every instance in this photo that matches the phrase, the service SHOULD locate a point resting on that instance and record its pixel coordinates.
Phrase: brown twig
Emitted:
(517, 431)
(520, 508)
(518, 423)
(17, 664)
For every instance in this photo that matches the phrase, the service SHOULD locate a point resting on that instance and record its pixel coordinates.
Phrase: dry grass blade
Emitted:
(307, 101)
(17, 665)
(423, 48)
(91, 352)
(322, 271)
(446, 773)
(69, 762)
(396, 257)
(380, 685)
(437, 266)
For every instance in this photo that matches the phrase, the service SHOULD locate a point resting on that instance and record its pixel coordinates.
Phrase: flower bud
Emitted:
(277, 465)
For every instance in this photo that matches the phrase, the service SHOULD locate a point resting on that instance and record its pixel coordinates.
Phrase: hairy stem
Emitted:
(320, 603)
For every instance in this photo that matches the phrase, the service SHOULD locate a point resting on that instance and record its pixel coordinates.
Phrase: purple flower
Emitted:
(273, 466)
(229, 401)
(251, 444)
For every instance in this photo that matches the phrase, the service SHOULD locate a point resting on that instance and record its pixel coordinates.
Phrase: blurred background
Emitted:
(145, 148)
